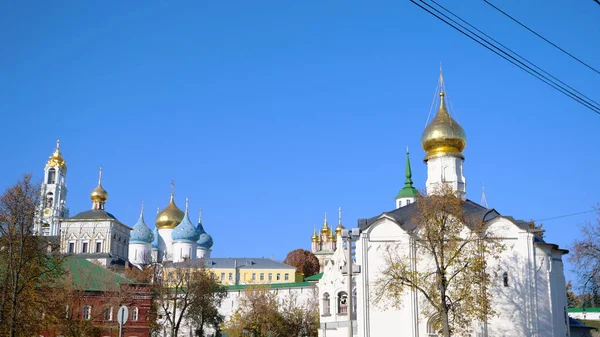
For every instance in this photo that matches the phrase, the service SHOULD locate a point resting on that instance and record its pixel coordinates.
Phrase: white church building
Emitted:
(528, 293)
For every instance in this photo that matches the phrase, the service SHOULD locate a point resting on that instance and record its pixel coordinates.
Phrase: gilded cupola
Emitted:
(315, 237)
(56, 159)
(443, 136)
(99, 194)
(325, 230)
(170, 216)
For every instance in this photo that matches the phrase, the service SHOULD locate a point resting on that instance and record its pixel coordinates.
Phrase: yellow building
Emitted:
(243, 271)
(232, 271)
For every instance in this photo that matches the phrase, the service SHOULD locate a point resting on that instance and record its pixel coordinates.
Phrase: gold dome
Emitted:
(99, 194)
(331, 238)
(170, 216)
(338, 229)
(443, 136)
(315, 237)
(325, 230)
(56, 159)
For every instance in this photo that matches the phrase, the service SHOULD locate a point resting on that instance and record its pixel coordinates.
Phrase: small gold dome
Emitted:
(315, 237)
(331, 238)
(443, 136)
(99, 194)
(338, 229)
(170, 216)
(56, 159)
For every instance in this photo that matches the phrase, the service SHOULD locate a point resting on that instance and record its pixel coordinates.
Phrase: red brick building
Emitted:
(91, 309)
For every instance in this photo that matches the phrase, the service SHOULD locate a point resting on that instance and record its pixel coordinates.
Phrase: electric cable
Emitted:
(541, 37)
(499, 51)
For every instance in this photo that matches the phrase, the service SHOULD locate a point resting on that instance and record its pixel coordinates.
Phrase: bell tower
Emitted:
(53, 201)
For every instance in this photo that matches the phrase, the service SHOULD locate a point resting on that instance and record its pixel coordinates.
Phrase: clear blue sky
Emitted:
(269, 113)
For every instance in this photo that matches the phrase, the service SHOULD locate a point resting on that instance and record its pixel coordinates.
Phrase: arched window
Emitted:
(52, 176)
(49, 199)
(433, 326)
(134, 314)
(505, 279)
(342, 303)
(326, 304)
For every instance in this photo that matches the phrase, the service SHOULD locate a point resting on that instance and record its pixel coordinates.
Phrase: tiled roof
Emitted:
(315, 277)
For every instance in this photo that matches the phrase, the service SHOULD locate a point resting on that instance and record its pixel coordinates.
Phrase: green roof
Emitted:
(586, 309)
(324, 252)
(270, 285)
(314, 277)
(92, 277)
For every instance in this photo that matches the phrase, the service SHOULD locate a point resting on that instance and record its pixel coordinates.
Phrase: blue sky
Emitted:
(268, 114)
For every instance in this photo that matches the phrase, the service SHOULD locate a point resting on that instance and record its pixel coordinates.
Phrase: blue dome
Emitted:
(185, 231)
(155, 241)
(140, 232)
(205, 241)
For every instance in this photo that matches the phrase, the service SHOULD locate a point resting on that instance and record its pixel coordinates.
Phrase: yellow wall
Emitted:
(227, 275)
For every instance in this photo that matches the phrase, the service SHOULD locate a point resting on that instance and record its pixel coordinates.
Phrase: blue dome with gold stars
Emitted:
(155, 241)
(185, 231)
(204, 241)
(140, 233)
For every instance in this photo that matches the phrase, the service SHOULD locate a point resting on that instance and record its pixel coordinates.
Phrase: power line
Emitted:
(566, 215)
(597, 1)
(505, 55)
(541, 37)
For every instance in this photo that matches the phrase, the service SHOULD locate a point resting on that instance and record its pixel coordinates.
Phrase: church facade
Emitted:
(528, 289)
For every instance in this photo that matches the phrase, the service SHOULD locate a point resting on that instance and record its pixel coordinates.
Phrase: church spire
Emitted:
(408, 193)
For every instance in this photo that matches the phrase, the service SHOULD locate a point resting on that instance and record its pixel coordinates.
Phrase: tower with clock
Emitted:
(53, 201)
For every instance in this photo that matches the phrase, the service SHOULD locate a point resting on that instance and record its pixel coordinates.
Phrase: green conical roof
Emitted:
(408, 191)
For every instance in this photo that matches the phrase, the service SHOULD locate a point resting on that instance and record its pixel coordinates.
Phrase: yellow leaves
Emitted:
(449, 269)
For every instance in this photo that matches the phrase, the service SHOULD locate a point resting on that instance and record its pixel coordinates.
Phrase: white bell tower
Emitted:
(53, 201)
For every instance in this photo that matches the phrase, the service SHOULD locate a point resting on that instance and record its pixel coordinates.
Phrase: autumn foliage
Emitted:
(304, 261)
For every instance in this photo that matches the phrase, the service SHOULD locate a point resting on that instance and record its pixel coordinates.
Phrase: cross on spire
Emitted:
(100, 176)
(172, 186)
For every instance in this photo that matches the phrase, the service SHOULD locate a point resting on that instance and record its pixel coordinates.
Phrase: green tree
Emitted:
(448, 264)
(28, 266)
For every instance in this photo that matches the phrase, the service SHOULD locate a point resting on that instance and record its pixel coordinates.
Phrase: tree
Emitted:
(29, 267)
(572, 299)
(585, 256)
(304, 261)
(261, 314)
(448, 265)
(189, 292)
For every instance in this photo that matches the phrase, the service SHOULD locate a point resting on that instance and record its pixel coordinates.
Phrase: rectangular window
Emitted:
(270, 277)
(98, 247)
(408, 202)
(108, 314)
(262, 276)
(230, 276)
(71, 247)
(253, 276)
(222, 276)
(84, 247)
(87, 312)
(237, 276)
(278, 277)
(287, 277)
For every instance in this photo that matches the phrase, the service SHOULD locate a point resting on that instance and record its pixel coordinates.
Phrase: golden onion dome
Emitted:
(56, 159)
(443, 136)
(325, 230)
(99, 194)
(315, 237)
(331, 238)
(338, 229)
(170, 216)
